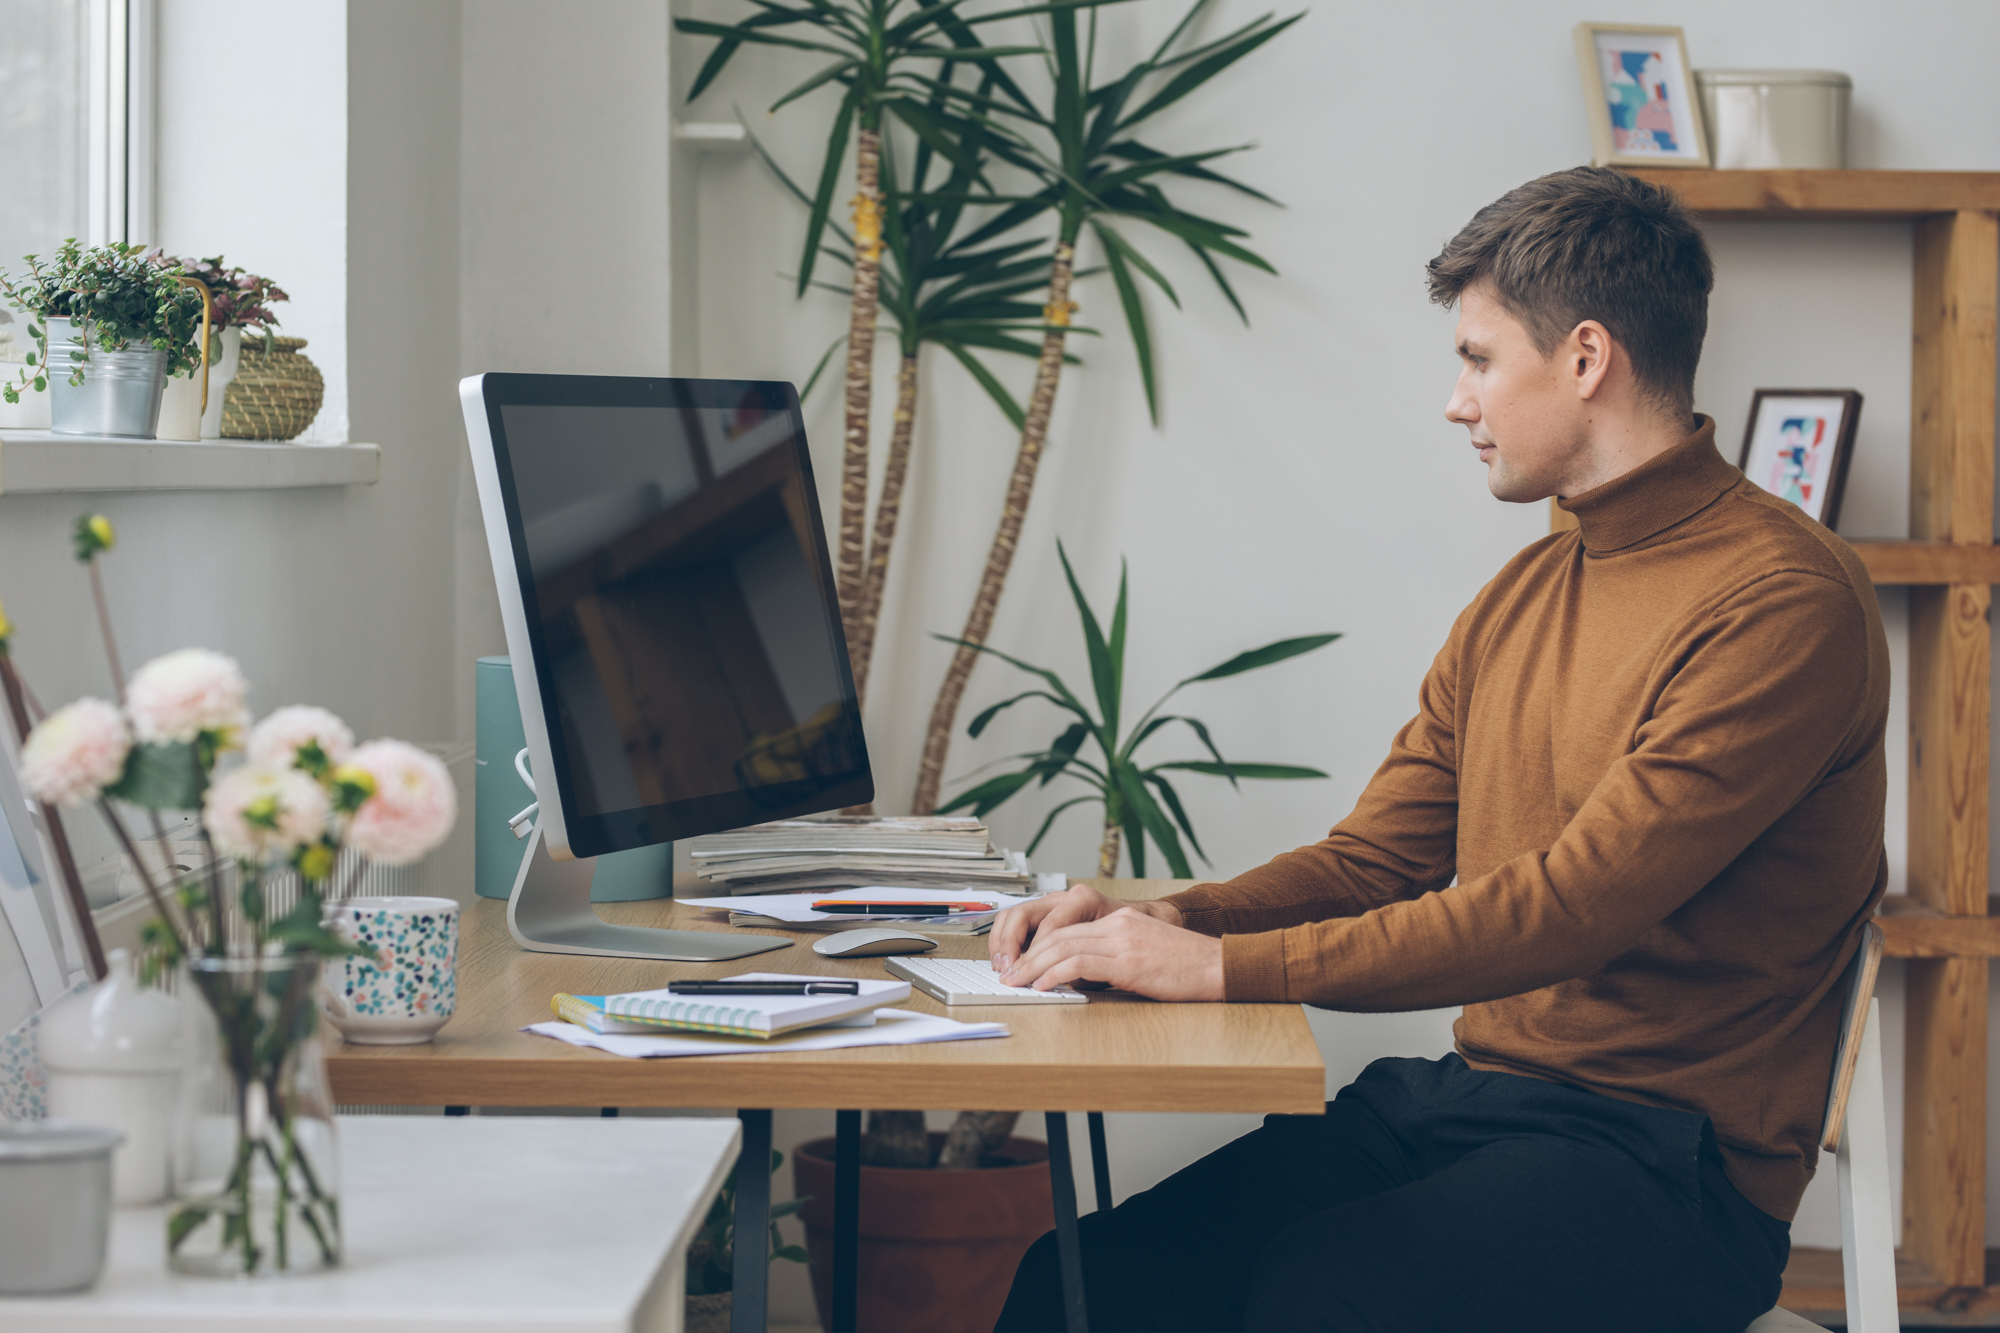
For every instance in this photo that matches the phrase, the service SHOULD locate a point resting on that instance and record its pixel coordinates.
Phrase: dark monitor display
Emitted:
(678, 597)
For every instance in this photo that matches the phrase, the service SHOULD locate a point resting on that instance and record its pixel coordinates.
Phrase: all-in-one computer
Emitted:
(670, 613)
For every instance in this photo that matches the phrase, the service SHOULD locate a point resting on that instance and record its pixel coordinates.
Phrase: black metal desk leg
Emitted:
(753, 1225)
(1068, 1247)
(846, 1219)
(1100, 1162)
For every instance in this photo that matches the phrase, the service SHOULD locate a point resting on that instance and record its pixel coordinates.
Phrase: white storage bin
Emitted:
(1775, 117)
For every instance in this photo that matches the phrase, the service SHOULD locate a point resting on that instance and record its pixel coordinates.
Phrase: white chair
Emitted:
(1856, 1132)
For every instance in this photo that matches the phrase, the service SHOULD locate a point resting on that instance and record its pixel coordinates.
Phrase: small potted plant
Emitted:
(239, 302)
(108, 327)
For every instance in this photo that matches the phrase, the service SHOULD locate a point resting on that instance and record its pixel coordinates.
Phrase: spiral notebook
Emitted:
(738, 1016)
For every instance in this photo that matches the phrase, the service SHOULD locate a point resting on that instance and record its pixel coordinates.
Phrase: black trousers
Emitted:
(1432, 1198)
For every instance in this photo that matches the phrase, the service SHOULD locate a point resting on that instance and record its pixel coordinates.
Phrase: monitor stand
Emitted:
(550, 911)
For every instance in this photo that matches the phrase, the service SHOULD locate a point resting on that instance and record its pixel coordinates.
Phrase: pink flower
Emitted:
(75, 753)
(276, 740)
(413, 807)
(181, 695)
(253, 810)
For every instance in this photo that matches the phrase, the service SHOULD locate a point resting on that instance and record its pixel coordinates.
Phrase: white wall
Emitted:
(448, 189)
(1304, 477)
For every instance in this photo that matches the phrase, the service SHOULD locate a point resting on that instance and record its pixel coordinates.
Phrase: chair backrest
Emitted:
(1860, 985)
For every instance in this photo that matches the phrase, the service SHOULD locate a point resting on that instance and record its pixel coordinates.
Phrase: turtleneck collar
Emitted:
(1662, 491)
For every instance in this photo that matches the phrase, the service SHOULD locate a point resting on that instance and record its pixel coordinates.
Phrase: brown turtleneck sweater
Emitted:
(1651, 753)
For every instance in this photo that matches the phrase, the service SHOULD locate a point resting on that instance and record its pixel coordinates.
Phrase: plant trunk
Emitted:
(888, 509)
(1107, 854)
(896, 1138)
(999, 559)
(973, 1135)
(860, 371)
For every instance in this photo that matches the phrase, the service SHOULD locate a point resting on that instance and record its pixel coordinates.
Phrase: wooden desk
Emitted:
(1117, 1053)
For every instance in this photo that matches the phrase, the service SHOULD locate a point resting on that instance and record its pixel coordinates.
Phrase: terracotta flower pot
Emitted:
(938, 1248)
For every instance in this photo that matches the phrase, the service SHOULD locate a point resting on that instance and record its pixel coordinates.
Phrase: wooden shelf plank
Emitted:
(39, 463)
(1914, 929)
(1813, 1288)
(1906, 562)
(1834, 196)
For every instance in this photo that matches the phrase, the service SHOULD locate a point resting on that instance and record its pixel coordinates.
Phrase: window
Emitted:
(76, 98)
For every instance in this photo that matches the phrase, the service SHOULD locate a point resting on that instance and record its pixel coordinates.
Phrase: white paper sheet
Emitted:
(799, 906)
(893, 1027)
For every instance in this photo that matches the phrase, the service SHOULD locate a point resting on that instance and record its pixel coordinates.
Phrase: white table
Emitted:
(503, 1223)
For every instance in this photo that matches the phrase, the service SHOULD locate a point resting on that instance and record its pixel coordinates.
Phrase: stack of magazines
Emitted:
(848, 851)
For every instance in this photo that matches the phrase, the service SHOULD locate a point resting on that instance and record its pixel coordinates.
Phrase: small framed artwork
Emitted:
(1797, 446)
(1640, 96)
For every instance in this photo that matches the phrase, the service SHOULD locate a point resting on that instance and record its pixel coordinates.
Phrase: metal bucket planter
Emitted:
(120, 393)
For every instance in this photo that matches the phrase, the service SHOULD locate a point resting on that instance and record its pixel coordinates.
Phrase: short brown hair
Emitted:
(1593, 243)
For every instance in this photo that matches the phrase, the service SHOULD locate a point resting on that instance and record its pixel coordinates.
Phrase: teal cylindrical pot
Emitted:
(498, 794)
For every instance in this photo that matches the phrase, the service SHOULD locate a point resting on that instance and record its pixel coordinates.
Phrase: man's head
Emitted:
(1583, 300)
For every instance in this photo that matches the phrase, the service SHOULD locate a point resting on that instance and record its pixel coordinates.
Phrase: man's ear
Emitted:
(1589, 352)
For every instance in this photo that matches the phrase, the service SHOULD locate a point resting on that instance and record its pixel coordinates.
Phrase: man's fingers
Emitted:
(1080, 968)
(1057, 943)
(1009, 933)
(1009, 938)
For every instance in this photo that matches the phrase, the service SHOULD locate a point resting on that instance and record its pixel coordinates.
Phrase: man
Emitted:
(1635, 829)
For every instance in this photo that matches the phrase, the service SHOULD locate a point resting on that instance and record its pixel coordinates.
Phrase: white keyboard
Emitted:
(967, 981)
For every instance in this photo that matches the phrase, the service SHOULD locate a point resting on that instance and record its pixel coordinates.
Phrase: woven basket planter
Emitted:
(708, 1314)
(275, 394)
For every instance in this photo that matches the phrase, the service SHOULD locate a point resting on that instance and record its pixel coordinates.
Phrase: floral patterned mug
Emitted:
(406, 987)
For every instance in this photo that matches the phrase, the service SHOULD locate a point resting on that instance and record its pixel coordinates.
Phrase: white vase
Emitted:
(181, 414)
(114, 1056)
(31, 413)
(222, 363)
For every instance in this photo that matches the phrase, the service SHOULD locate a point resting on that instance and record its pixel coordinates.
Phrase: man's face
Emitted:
(1521, 408)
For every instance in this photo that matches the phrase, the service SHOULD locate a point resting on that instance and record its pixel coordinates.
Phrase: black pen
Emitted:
(764, 988)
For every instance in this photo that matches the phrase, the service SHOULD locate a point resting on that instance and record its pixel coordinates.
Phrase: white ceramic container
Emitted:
(55, 1205)
(1763, 118)
(114, 1056)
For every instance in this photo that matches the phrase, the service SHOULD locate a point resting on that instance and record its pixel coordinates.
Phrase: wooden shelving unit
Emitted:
(1945, 926)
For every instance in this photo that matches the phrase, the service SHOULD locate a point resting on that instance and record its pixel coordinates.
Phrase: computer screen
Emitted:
(676, 592)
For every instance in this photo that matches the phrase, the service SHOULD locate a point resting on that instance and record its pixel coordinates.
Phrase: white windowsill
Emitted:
(37, 462)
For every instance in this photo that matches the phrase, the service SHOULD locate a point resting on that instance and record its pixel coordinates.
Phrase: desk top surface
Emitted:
(1117, 1053)
(460, 1223)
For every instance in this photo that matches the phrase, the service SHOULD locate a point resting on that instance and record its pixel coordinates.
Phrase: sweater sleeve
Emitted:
(1767, 696)
(1400, 840)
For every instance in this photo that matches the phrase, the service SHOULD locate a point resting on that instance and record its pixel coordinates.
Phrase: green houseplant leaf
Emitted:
(1141, 806)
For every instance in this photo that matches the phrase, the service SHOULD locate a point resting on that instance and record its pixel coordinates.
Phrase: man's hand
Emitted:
(1015, 927)
(1082, 936)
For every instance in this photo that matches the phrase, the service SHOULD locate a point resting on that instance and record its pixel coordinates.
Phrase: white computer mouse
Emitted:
(872, 942)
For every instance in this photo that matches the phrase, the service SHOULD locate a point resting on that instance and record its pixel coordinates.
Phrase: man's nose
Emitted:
(1461, 409)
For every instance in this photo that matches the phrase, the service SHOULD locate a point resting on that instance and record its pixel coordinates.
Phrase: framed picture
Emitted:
(1640, 96)
(1797, 446)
